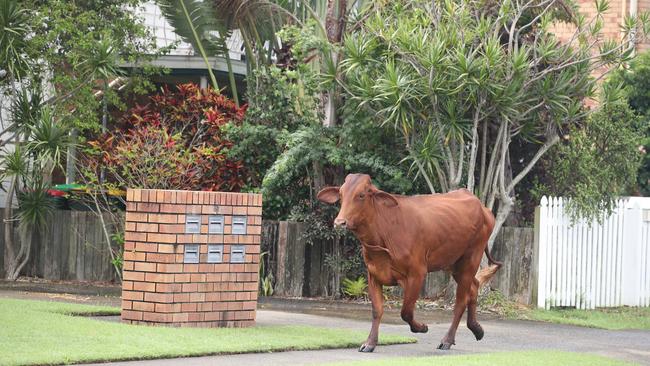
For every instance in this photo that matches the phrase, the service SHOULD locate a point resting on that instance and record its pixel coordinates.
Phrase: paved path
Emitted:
(500, 335)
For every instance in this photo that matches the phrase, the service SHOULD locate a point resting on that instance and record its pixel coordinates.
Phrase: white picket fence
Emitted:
(590, 264)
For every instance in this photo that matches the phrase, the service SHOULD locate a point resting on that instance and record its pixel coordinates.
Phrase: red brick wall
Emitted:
(612, 19)
(159, 288)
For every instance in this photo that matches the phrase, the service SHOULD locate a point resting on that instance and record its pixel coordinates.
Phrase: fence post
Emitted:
(631, 266)
(540, 267)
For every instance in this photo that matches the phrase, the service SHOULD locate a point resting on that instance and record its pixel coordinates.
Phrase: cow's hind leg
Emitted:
(377, 299)
(464, 279)
(412, 286)
(472, 323)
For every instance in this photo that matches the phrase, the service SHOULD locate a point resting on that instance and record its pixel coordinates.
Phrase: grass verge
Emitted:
(606, 318)
(528, 358)
(37, 332)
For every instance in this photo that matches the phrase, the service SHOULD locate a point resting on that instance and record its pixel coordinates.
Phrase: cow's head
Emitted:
(359, 198)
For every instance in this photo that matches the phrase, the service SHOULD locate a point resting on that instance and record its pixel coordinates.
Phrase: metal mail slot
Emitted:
(237, 254)
(193, 224)
(215, 224)
(239, 225)
(191, 253)
(215, 253)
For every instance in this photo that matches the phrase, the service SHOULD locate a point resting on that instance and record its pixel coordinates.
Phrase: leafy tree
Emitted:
(598, 159)
(53, 56)
(260, 22)
(635, 81)
(282, 140)
(460, 81)
(78, 44)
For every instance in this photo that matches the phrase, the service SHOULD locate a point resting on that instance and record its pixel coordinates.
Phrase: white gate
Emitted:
(590, 264)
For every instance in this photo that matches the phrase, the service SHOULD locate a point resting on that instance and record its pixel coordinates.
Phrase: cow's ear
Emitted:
(386, 198)
(328, 195)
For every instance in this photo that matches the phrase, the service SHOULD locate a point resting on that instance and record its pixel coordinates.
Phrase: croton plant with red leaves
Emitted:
(174, 142)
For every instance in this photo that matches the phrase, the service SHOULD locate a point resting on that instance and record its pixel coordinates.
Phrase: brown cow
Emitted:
(405, 237)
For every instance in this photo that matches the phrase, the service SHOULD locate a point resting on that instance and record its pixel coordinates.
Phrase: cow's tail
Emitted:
(491, 260)
(485, 274)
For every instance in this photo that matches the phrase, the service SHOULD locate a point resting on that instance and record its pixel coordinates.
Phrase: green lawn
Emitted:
(610, 318)
(528, 358)
(35, 332)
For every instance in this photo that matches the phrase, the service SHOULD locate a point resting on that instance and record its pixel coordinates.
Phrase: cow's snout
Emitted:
(338, 222)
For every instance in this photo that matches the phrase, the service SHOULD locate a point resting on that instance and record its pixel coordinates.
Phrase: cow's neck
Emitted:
(372, 233)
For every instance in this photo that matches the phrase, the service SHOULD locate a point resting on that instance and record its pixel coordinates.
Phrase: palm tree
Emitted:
(28, 165)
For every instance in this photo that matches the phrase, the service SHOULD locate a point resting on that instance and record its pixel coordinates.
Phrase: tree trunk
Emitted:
(71, 157)
(336, 285)
(26, 235)
(10, 259)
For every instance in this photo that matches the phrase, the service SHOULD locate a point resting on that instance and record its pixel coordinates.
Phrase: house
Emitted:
(184, 63)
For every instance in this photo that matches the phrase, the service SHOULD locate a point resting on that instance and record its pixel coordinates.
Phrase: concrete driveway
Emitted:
(500, 335)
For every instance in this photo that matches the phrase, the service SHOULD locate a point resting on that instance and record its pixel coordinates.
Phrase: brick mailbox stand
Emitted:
(191, 258)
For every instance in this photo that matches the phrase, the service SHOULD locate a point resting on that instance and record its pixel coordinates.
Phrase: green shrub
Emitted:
(355, 288)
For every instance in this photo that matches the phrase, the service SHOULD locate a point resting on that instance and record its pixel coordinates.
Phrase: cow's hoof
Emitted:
(422, 329)
(445, 346)
(478, 331)
(367, 348)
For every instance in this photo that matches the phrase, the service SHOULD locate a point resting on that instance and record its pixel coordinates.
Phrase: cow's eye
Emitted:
(362, 196)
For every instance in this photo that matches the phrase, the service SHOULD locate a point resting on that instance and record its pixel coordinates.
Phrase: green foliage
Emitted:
(35, 205)
(48, 140)
(14, 40)
(635, 81)
(476, 91)
(80, 43)
(355, 288)
(117, 239)
(201, 27)
(598, 161)
(266, 279)
(174, 142)
(279, 102)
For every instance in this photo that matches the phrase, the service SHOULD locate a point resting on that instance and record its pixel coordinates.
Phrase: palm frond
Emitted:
(210, 28)
(48, 140)
(14, 163)
(15, 28)
(35, 205)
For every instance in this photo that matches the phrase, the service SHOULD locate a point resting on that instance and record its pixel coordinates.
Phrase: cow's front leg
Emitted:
(412, 287)
(377, 299)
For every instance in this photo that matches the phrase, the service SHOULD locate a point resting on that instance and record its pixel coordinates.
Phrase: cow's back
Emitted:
(439, 228)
